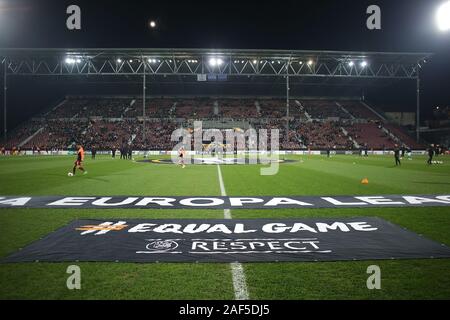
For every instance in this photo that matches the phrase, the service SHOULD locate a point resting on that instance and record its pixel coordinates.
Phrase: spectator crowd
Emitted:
(106, 123)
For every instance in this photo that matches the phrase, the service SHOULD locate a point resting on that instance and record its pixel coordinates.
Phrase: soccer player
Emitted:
(79, 162)
(181, 154)
(130, 152)
(397, 155)
(430, 154)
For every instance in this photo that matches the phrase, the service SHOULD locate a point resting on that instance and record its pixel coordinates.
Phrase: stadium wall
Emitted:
(165, 152)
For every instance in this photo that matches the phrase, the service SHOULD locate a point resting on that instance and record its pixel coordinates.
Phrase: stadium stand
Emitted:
(237, 108)
(272, 108)
(372, 135)
(324, 109)
(323, 135)
(201, 108)
(401, 135)
(154, 108)
(93, 107)
(109, 122)
(358, 111)
(22, 133)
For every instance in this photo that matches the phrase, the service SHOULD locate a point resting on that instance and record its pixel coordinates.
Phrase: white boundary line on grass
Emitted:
(237, 271)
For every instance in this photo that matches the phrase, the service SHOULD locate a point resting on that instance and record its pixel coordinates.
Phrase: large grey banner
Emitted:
(361, 238)
(217, 202)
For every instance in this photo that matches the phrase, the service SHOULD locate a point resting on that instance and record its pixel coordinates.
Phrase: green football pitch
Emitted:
(314, 175)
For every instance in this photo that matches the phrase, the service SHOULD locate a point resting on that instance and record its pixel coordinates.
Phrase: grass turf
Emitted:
(314, 175)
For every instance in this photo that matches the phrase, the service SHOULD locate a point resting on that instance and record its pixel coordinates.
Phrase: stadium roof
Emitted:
(224, 63)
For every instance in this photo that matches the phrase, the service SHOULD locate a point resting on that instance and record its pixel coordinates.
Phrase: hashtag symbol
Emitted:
(102, 228)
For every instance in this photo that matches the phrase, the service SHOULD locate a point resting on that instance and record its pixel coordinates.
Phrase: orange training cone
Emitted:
(365, 181)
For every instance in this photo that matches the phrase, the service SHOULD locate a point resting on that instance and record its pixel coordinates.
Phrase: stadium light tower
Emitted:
(443, 16)
(5, 88)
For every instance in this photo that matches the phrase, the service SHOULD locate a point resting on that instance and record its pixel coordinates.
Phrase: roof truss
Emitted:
(183, 62)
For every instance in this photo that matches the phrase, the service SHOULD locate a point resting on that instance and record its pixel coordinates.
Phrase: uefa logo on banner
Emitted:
(159, 246)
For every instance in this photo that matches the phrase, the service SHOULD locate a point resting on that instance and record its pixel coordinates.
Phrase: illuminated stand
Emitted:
(238, 67)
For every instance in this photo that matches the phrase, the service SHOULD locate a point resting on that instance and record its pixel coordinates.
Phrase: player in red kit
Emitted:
(79, 162)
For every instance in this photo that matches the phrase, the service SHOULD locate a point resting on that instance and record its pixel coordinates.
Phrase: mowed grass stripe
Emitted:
(19, 227)
(237, 270)
(402, 279)
(405, 279)
(117, 281)
(108, 177)
(318, 175)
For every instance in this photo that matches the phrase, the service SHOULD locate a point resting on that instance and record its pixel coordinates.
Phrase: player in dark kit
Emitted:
(123, 152)
(79, 162)
(430, 154)
(397, 155)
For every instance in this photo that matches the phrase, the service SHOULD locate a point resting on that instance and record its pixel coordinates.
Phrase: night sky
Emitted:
(407, 25)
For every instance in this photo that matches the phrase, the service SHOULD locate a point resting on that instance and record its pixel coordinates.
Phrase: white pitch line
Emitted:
(237, 271)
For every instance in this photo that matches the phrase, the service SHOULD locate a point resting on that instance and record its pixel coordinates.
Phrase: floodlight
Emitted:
(215, 62)
(351, 64)
(443, 16)
(363, 64)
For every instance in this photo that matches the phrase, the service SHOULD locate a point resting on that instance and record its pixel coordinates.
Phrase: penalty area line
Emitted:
(237, 271)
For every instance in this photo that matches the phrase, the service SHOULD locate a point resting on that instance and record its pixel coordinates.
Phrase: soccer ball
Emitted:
(70, 174)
